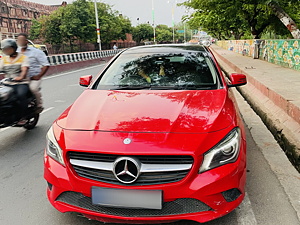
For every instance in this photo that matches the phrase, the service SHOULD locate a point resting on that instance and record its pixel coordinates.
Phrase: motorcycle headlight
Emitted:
(52, 149)
(226, 151)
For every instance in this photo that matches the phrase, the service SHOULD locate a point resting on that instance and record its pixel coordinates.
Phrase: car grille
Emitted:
(181, 167)
(177, 207)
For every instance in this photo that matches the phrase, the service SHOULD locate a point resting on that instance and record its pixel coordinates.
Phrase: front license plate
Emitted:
(123, 198)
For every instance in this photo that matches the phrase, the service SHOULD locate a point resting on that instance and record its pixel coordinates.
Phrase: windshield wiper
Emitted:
(196, 87)
(183, 87)
(166, 87)
(131, 87)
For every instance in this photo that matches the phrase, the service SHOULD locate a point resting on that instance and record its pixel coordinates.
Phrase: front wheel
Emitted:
(32, 122)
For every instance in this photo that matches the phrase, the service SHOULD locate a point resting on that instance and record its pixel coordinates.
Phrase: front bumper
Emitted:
(199, 197)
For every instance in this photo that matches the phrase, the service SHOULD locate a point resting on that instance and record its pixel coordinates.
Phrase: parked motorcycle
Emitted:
(9, 108)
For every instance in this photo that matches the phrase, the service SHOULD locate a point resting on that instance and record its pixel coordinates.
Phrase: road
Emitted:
(23, 190)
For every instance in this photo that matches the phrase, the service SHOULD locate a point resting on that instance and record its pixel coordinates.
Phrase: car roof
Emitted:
(166, 48)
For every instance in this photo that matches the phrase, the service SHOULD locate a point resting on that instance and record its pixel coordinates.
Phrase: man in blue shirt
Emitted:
(38, 67)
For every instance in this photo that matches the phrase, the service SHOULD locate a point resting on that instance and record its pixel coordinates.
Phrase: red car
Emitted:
(156, 137)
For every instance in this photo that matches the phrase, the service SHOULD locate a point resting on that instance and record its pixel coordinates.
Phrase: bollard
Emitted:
(59, 59)
(63, 59)
(76, 57)
(82, 56)
(68, 58)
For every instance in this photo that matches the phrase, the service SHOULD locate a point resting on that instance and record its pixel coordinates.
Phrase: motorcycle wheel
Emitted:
(32, 122)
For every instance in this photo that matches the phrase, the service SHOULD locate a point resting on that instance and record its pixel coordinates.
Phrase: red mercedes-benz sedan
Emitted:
(156, 137)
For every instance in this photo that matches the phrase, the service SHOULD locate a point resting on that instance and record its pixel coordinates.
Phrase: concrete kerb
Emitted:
(287, 175)
(279, 115)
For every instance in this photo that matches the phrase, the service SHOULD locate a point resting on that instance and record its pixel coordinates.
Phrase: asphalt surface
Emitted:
(23, 190)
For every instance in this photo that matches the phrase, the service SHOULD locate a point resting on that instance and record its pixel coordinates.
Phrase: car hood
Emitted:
(150, 111)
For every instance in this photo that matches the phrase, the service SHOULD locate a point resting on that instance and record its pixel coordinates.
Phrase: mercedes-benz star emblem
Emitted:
(126, 169)
(127, 141)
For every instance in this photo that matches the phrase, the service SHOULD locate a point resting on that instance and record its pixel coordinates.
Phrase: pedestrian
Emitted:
(15, 66)
(38, 66)
(115, 47)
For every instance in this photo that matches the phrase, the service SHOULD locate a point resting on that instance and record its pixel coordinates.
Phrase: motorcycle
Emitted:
(9, 107)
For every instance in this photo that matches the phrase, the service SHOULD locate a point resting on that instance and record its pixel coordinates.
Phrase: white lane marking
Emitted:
(245, 214)
(7, 128)
(46, 110)
(63, 74)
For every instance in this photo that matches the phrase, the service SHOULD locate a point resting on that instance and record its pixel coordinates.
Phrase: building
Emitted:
(16, 16)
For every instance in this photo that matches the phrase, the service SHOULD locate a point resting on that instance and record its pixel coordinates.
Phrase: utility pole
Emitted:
(173, 20)
(173, 23)
(153, 22)
(97, 26)
(184, 30)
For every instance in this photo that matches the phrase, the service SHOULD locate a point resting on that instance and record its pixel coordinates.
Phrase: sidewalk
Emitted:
(273, 92)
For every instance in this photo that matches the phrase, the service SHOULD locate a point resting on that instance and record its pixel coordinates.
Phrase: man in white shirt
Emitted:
(38, 67)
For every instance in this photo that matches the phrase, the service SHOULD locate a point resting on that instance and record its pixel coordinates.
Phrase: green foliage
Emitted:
(50, 28)
(142, 32)
(76, 21)
(164, 33)
(227, 19)
(35, 29)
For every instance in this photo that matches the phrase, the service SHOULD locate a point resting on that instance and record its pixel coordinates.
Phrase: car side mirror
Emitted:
(85, 81)
(237, 80)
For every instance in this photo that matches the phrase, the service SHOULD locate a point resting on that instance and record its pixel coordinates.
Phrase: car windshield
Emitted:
(188, 70)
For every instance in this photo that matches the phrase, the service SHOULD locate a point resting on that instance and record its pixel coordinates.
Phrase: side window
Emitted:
(212, 69)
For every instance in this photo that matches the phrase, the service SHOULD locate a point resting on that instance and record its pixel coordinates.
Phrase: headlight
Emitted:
(52, 149)
(227, 151)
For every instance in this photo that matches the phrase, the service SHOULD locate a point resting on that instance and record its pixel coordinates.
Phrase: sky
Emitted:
(141, 9)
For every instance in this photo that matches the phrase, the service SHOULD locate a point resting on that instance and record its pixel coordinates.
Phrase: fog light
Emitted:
(231, 194)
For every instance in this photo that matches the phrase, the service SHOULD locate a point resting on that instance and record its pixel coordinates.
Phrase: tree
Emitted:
(225, 18)
(50, 28)
(126, 27)
(164, 33)
(35, 29)
(47, 27)
(285, 18)
(142, 32)
(215, 22)
(76, 22)
(113, 25)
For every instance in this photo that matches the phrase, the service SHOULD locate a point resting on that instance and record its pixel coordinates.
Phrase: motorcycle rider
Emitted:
(15, 66)
(38, 67)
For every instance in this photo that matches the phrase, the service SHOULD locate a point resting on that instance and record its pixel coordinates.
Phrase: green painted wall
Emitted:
(285, 53)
